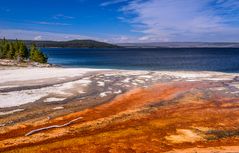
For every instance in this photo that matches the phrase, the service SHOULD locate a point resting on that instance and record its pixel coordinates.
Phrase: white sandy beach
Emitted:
(23, 74)
(18, 77)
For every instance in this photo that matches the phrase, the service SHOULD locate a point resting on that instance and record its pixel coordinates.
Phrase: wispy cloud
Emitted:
(52, 23)
(62, 16)
(39, 35)
(111, 2)
(38, 38)
(185, 20)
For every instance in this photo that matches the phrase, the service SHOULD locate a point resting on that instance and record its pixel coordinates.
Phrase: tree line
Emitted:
(18, 50)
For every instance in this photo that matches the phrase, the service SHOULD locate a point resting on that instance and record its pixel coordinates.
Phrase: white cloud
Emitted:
(52, 23)
(184, 20)
(111, 2)
(62, 16)
(38, 38)
(38, 35)
(117, 38)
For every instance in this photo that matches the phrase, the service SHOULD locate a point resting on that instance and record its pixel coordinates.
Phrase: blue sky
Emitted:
(121, 20)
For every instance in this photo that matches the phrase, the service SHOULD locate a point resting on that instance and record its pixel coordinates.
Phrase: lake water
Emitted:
(194, 59)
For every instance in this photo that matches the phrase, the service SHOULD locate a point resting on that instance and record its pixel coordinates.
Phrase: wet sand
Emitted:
(89, 110)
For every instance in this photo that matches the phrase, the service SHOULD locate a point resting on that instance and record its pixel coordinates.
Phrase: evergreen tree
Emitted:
(18, 50)
(32, 52)
(11, 52)
(23, 51)
(6, 47)
(36, 55)
(1, 50)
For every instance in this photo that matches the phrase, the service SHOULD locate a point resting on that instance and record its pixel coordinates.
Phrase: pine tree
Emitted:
(18, 50)
(36, 55)
(11, 52)
(32, 52)
(1, 50)
(23, 51)
(6, 47)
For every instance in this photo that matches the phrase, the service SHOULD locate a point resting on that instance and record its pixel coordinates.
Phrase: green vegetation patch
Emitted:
(18, 51)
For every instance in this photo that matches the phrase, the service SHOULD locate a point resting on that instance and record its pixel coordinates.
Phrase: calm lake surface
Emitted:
(194, 59)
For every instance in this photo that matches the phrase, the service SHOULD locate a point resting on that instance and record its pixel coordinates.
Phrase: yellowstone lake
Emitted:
(169, 59)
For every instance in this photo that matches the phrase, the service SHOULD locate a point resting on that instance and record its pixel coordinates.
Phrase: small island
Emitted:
(16, 53)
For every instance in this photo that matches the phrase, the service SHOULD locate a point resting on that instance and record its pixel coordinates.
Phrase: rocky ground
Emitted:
(14, 63)
(87, 110)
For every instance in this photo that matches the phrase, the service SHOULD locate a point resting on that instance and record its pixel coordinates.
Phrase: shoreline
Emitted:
(151, 108)
(14, 63)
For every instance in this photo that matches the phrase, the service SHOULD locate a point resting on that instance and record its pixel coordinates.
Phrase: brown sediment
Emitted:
(161, 118)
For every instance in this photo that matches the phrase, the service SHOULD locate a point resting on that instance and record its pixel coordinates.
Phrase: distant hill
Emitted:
(70, 44)
(181, 45)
